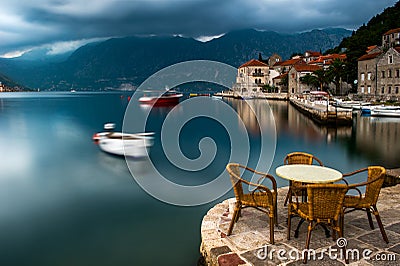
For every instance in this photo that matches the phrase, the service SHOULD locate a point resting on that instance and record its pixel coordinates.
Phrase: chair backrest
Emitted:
(236, 171)
(234, 174)
(373, 189)
(325, 201)
(301, 158)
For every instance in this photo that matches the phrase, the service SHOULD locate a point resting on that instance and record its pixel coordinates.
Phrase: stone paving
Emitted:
(249, 242)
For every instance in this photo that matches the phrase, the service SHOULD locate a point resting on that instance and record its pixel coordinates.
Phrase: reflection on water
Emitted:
(378, 139)
(64, 202)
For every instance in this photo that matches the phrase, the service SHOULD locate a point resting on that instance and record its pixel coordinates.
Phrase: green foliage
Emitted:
(367, 35)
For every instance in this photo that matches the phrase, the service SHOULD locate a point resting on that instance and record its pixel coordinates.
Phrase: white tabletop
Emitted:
(308, 173)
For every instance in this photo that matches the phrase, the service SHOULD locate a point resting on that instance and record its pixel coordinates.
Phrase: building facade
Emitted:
(367, 74)
(391, 38)
(294, 78)
(252, 76)
(379, 69)
(388, 74)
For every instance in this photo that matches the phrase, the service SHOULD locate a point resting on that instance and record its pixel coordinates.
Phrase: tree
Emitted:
(284, 82)
(336, 72)
(322, 77)
(310, 80)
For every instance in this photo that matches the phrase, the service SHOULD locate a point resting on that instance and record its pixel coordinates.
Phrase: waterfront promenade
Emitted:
(323, 114)
(250, 238)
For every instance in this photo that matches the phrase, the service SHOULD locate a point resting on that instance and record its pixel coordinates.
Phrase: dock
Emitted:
(323, 114)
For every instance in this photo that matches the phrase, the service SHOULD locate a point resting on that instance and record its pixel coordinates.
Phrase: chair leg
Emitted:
(234, 219)
(289, 219)
(341, 223)
(307, 242)
(378, 219)
(271, 230)
(371, 224)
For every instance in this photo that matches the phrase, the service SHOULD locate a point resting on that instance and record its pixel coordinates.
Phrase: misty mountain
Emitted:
(130, 60)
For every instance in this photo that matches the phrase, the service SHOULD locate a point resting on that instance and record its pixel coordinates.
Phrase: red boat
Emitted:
(169, 98)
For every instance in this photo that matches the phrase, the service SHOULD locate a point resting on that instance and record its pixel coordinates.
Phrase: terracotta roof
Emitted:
(334, 56)
(369, 56)
(314, 54)
(281, 76)
(254, 62)
(290, 62)
(306, 68)
(316, 61)
(370, 48)
(392, 31)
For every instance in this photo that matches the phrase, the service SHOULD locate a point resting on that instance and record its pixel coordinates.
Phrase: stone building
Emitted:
(295, 73)
(367, 73)
(273, 59)
(388, 74)
(378, 69)
(391, 38)
(278, 82)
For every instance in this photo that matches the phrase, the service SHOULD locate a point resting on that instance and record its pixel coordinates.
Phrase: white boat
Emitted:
(391, 111)
(117, 143)
(347, 104)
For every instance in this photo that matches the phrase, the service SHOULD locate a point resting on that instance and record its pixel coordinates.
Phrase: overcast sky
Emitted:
(65, 24)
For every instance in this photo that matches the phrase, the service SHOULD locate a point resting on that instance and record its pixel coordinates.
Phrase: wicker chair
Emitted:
(261, 198)
(367, 201)
(298, 158)
(324, 206)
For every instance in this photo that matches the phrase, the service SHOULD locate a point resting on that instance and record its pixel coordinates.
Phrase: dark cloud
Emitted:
(31, 23)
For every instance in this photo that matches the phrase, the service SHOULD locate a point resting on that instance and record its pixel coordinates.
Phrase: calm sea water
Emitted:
(64, 202)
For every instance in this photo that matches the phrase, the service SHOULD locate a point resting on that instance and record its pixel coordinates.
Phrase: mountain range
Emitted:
(128, 61)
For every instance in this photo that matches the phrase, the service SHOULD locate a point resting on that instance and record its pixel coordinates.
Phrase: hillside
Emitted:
(12, 85)
(132, 59)
(367, 35)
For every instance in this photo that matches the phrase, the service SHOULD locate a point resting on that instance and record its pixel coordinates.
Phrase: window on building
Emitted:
(389, 90)
(397, 73)
(383, 74)
(397, 90)
(383, 90)
(369, 89)
(369, 76)
(389, 73)
(390, 59)
(362, 89)
(362, 76)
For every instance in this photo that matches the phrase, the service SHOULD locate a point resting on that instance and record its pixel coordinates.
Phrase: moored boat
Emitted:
(390, 111)
(168, 98)
(117, 143)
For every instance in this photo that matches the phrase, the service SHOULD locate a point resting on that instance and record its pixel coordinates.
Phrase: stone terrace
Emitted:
(250, 236)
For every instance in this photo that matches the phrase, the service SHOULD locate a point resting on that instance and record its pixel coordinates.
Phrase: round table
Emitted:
(308, 173)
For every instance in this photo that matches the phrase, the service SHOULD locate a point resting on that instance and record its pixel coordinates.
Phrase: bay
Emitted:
(65, 202)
